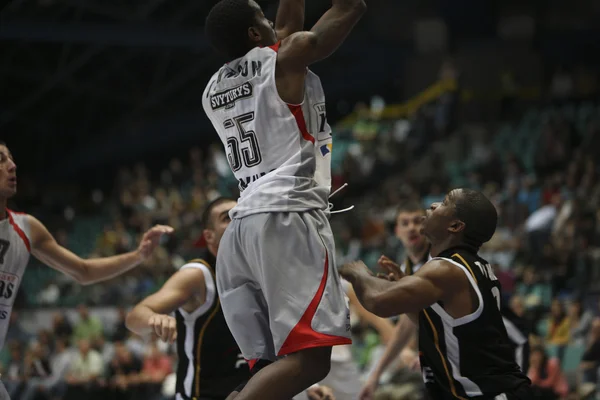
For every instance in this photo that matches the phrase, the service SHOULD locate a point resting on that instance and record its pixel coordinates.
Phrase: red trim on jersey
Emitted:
(16, 212)
(18, 229)
(303, 336)
(276, 46)
(299, 116)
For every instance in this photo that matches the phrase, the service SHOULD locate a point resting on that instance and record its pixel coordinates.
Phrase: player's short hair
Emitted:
(205, 221)
(409, 206)
(227, 26)
(478, 213)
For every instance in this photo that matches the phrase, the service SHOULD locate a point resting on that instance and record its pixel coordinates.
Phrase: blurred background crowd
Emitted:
(499, 99)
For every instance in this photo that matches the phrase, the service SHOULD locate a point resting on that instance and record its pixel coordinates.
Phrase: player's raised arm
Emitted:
(150, 315)
(290, 18)
(304, 48)
(435, 281)
(45, 248)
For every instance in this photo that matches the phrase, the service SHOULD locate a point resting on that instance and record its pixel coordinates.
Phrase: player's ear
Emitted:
(254, 35)
(209, 235)
(456, 226)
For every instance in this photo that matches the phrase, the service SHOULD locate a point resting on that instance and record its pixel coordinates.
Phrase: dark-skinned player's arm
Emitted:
(290, 18)
(435, 281)
(383, 326)
(302, 49)
(150, 315)
(87, 271)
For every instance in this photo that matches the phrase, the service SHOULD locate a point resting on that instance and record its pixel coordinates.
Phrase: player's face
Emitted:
(264, 26)
(220, 221)
(8, 173)
(408, 229)
(438, 219)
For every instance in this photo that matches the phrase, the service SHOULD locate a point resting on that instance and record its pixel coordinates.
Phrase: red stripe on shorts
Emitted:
(299, 116)
(252, 363)
(303, 336)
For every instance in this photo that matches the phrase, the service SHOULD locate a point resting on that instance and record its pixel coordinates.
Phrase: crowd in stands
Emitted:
(540, 169)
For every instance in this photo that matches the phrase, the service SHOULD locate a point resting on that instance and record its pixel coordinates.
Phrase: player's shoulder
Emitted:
(443, 271)
(190, 277)
(17, 214)
(21, 219)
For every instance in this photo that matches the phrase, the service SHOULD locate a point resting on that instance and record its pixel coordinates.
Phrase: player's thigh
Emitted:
(307, 307)
(244, 306)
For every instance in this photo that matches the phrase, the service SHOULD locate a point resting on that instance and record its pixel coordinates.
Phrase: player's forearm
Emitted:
(367, 289)
(290, 18)
(101, 269)
(137, 320)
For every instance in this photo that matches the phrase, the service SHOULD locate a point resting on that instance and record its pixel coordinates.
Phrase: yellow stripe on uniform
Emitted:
(466, 264)
(203, 330)
(436, 341)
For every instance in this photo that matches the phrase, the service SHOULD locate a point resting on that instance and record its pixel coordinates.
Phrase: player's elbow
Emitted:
(82, 274)
(130, 320)
(360, 7)
(356, 7)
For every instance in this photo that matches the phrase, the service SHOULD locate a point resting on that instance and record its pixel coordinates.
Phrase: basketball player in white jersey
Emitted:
(22, 235)
(276, 276)
(209, 366)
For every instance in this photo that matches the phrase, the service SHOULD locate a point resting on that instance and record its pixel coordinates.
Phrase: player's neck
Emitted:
(212, 250)
(448, 243)
(3, 212)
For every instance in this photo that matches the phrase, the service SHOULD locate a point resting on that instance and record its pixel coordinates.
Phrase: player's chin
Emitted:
(8, 192)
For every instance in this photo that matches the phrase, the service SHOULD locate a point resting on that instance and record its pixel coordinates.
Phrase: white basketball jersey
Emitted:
(279, 153)
(14, 256)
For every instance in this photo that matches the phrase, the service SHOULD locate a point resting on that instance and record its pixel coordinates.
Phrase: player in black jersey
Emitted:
(455, 300)
(210, 365)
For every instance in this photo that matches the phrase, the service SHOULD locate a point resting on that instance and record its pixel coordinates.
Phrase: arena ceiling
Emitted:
(73, 68)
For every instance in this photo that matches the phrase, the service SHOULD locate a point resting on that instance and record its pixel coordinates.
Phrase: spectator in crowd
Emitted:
(546, 376)
(156, 367)
(61, 326)
(120, 332)
(85, 372)
(590, 362)
(531, 290)
(15, 371)
(53, 384)
(105, 348)
(580, 321)
(88, 327)
(36, 364)
(123, 373)
(559, 325)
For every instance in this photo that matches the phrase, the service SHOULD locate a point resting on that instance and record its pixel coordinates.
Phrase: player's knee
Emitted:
(316, 362)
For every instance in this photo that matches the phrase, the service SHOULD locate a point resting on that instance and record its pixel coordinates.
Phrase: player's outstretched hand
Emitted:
(320, 393)
(151, 239)
(368, 390)
(164, 326)
(393, 270)
(352, 270)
